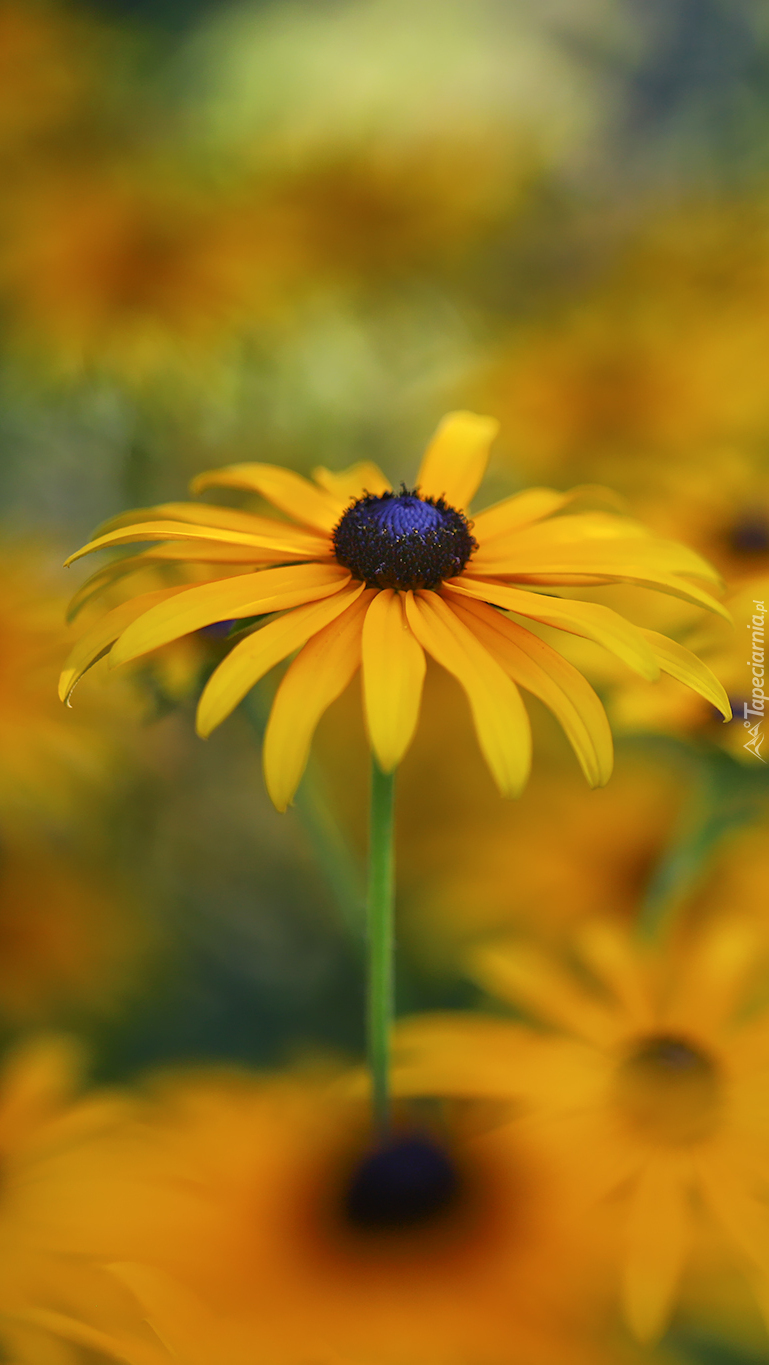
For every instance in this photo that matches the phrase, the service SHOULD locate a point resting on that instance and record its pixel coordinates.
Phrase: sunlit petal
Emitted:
(254, 656)
(393, 673)
(360, 478)
(318, 675)
(657, 1243)
(456, 458)
(302, 500)
(244, 595)
(500, 718)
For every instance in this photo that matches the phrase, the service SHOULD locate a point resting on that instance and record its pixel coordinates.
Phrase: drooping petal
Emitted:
(302, 500)
(535, 665)
(281, 543)
(393, 673)
(591, 620)
(318, 675)
(680, 663)
(178, 552)
(729, 1190)
(360, 478)
(93, 645)
(632, 577)
(524, 976)
(455, 460)
(258, 653)
(228, 599)
(208, 514)
(658, 1235)
(500, 718)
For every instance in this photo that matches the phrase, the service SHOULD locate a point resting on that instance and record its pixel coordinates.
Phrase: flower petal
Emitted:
(730, 1192)
(93, 645)
(500, 718)
(608, 952)
(524, 976)
(393, 673)
(524, 509)
(455, 460)
(680, 663)
(711, 978)
(302, 500)
(591, 620)
(360, 478)
(535, 665)
(230, 598)
(318, 675)
(279, 543)
(258, 653)
(208, 514)
(120, 1346)
(658, 1233)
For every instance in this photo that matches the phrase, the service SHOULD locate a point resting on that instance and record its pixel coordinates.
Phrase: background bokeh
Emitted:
(300, 233)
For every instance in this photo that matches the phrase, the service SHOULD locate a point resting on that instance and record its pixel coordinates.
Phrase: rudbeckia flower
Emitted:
(270, 1227)
(653, 1086)
(41, 1120)
(374, 579)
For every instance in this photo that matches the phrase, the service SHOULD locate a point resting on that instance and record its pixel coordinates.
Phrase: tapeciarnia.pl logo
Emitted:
(757, 706)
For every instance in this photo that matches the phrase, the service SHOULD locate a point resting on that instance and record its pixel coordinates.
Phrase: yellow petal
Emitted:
(500, 718)
(118, 1346)
(280, 543)
(208, 514)
(680, 663)
(535, 665)
(360, 478)
(456, 458)
(393, 673)
(525, 976)
(93, 645)
(710, 979)
(523, 509)
(591, 620)
(729, 1190)
(318, 675)
(302, 500)
(607, 950)
(181, 1320)
(258, 653)
(228, 599)
(657, 1244)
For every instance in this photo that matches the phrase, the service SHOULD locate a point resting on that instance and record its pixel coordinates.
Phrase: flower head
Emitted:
(372, 579)
(263, 1222)
(651, 1084)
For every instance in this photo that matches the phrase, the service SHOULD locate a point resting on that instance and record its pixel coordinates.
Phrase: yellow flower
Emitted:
(653, 1087)
(254, 1220)
(372, 579)
(40, 1120)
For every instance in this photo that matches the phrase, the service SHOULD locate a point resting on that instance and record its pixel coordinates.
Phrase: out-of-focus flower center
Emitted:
(404, 1182)
(749, 535)
(669, 1090)
(401, 540)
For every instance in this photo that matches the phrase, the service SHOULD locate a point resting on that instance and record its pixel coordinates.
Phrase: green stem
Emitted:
(381, 939)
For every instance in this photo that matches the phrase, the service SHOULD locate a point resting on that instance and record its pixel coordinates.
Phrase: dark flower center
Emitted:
(749, 535)
(402, 1183)
(401, 540)
(669, 1089)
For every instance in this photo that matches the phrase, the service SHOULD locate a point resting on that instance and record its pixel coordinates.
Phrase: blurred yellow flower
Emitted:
(376, 578)
(652, 1086)
(40, 1119)
(294, 1238)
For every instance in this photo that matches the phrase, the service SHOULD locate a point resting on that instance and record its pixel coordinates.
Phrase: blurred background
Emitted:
(300, 233)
